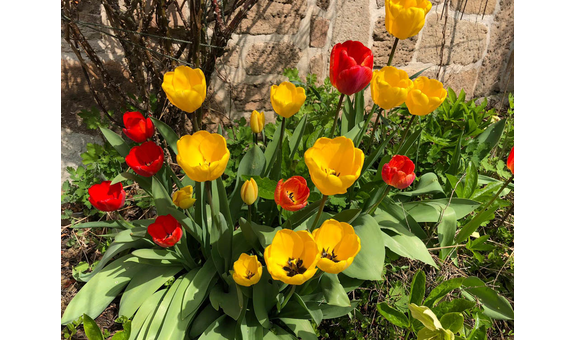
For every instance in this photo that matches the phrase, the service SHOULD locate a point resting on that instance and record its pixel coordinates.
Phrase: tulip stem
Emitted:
(406, 131)
(372, 210)
(292, 290)
(392, 52)
(320, 210)
(336, 115)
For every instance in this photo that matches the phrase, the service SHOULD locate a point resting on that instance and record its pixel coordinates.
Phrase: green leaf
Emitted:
(446, 231)
(354, 132)
(197, 290)
(169, 135)
(392, 315)
(271, 151)
(438, 334)
(295, 139)
(333, 291)
(368, 264)
(252, 164)
(347, 216)
(266, 186)
(443, 289)
(428, 184)
(116, 141)
(347, 117)
(406, 244)
(203, 320)
(496, 306)
(264, 297)
(91, 329)
(425, 315)
(456, 159)
(156, 254)
(301, 328)
(478, 334)
(250, 328)
(302, 215)
(143, 313)
(472, 225)
(417, 291)
(470, 180)
(455, 305)
(153, 324)
(143, 182)
(316, 314)
(223, 327)
(452, 321)
(488, 139)
(229, 301)
(430, 210)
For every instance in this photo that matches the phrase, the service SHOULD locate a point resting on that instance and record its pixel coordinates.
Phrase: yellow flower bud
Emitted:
(249, 191)
(203, 156)
(247, 270)
(338, 245)
(183, 197)
(287, 99)
(185, 88)
(425, 96)
(405, 18)
(389, 87)
(257, 121)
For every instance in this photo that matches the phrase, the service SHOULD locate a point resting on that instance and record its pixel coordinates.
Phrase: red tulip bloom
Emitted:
(292, 194)
(146, 159)
(106, 197)
(511, 161)
(165, 231)
(398, 172)
(350, 67)
(137, 127)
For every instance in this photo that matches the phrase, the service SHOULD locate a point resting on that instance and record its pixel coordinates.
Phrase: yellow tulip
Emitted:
(249, 191)
(292, 256)
(389, 87)
(287, 99)
(247, 270)
(185, 88)
(203, 156)
(257, 121)
(405, 18)
(334, 164)
(425, 96)
(183, 197)
(338, 245)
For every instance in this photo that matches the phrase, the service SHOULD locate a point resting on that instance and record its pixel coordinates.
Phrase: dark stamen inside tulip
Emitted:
(290, 195)
(330, 256)
(249, 275)
(332, 172)
(294, 267)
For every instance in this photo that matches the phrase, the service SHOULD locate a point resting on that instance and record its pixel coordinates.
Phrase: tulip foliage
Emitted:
(265, 255)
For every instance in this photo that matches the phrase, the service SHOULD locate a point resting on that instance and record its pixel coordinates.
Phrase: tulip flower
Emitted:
(398, 173)
(137, 127)
(334, 164)
(425, 96)
(511, 160)
(350, 67)
(292, 194)
(166, 231)
(183, 197)
(185, 88)
(292, 256)
(247, 270)
(405, 18)
(338, 245)
(257, 121)
(389, 87)
(249, 191)
(287, 99)
(146, 159)
(203, 156)
(106, 197)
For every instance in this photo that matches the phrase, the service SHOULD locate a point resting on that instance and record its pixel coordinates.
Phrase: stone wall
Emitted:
(467, 44)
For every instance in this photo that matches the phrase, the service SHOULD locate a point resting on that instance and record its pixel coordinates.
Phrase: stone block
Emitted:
(317, 67)
(473, 6)
(403, 52)
(461, 80)
(273, 16)
(271, 58)
(249, 97)
(318, 32)
(323, 4)
(231, 57)
(465, 41)
(352, 21)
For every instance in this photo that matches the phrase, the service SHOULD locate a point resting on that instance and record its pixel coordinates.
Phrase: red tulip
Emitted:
(137, 127)
(146, 159)
(398, 172)
(350, 67)
(106, 197)
(511, 161)
(165, 231)
(292, 194)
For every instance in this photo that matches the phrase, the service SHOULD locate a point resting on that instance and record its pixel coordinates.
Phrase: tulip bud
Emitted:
(389, 87)
(405, 18)
(425, 96)
(257, 121)
(247, 270)
(183, 197)
(249, 191)
(185, 88)
(287, 99)
(511, 161)
(398, 173)
(203, 156)
(350, 67)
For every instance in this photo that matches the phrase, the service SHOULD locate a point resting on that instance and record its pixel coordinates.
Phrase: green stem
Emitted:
(255, 137)
(406, 131)
(250, 214)
(292, 290)
(392, 52)
(319, 211)
(374, 129)
(372, 210)
(336, 115)
(280, 216)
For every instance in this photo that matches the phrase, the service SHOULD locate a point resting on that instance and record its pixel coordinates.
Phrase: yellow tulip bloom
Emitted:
(183, 197)
(334, 164)
(249, 191)
(405, 18)
(247, 270)
(257, 121)
(292, 256)
(389, 87)
(185, 88)
(338, 245)
(203, 156)
(425, 96)
(287, 99)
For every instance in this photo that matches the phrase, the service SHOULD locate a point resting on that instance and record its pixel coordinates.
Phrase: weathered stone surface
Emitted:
(473, 6)
(352, 21)
(273, 16)
(318, 32)
(271, 58)
(72, 145)
(461, 80)
(231, 57)
(380, 3)
(317, 67)
(249, 97)
(403, 52)
(465, 41)
(323, 4)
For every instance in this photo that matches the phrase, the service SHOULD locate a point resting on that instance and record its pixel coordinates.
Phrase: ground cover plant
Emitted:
(278, 230)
